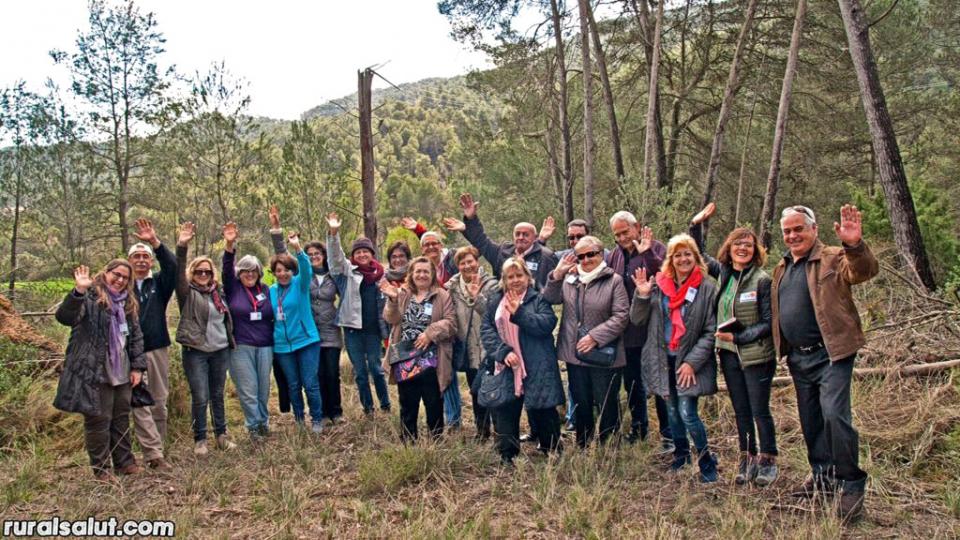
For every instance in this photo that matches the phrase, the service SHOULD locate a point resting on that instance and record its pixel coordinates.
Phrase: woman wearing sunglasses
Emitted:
(205, 332)
(595, 313)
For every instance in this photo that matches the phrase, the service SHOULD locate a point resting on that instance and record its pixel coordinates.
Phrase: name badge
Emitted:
(748, 297)
(428, 309)
(533, 266)
(123, 329)
(260, 298)
(571, 279)
(281, 317)
(256, 316)
(691, 294)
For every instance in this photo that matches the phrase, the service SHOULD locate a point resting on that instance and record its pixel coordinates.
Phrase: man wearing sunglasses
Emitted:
(576, 230)
(817, 327)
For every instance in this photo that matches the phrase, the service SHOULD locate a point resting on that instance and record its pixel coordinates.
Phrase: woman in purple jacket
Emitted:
(249, 303)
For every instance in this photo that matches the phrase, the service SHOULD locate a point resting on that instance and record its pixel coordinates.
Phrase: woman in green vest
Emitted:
(745, 346)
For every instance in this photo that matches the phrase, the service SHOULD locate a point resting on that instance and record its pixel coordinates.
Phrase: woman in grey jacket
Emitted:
(595, 314)
(678, 360)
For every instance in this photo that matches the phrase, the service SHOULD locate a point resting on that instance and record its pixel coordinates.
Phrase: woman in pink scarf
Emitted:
(517, 333)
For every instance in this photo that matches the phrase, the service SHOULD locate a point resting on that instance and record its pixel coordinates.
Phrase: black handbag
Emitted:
(604, 356)
(495, 390)
(140, 396)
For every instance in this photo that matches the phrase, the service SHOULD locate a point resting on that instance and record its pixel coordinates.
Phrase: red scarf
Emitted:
(372, 272)
(211, 289)
(677, 298)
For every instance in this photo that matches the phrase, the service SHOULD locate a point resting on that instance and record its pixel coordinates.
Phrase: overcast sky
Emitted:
(295, 54)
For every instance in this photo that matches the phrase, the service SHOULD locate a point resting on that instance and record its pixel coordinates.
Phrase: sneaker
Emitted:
(159, 464)
(850, 509)
(130, 468)
(316, 428)
(200, 448)
(766, 472)
(708, 467)
(634, 435)
(224, 443)
(743, 470)
(569, 426)
(678, 463)
(527, 438)
(666, 447)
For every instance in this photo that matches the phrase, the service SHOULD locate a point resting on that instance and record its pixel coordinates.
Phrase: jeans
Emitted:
(684, 418)
(823, 401)
(329, 374)
(595, 387)
(206, 375)
(481, 416)
(749, 389)
(637, 397)
(150, 423)
(506, 422)
(250, 371)
(364, 352)
(452, 403)
(283, 389)
(424, 388)
(107, 436)
(300, 367)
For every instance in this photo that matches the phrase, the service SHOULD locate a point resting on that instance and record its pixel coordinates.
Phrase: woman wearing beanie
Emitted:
(361, 312)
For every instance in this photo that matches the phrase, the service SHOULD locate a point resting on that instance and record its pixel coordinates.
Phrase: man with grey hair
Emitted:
(636, 248)
(153, 294)
(431, 247)
(817, 327)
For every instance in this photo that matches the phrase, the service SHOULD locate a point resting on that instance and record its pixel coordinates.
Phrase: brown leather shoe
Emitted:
(130, 468)
(811, 488)
(159, 464)
(850, 508)
(102, 475)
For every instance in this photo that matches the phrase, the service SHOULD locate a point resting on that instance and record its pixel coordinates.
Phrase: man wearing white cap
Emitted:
(153, 293)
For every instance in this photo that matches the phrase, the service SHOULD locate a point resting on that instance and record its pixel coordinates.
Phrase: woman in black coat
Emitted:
(104, 361)
(517, 332)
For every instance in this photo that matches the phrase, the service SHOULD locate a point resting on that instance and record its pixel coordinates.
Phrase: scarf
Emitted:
(372, 272)
(118, 318)
(396, 276)
(587, 277)
(676, 298)
(211, 289)
(510, 334)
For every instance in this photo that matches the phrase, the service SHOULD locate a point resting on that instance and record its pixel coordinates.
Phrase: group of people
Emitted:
(641, 316)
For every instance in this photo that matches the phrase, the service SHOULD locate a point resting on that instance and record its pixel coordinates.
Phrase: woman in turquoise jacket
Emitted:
(296, 342)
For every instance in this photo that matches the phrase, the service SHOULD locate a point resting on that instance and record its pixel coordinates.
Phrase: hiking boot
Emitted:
(812, 487)
(678, 463)
(636, 434)
(744, 469)
(666, 447)
(569, 426)
(766, 472)
(200, 448)
(159, 464)
(850, 509)
(102, 475)
(224, 443)
(527, 438)
(130, 468)
(708, 467)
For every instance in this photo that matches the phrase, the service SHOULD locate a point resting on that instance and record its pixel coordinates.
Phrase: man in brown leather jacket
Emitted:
(817, 327)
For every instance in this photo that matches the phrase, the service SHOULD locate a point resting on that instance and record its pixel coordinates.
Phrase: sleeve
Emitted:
(71, 310)
(493, 344)
(553, 291)
(475, 234)
(654, 257)
(763, 327)
(276, 238)
(183, 288)
(713, 265)
(480, 304)
(229, 273)
(536, 318)
(548, 262)
(419, 230)
(304, 274)
(167, 278)
(613, 327)
(338, 262)
(640, 309)
(857, 264)
(702, 351)
(445, 328)
(138, 360)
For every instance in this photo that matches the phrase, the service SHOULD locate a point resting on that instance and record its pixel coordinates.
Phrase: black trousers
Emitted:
(823, 401)
(283, 389)
(637, 397)
(425, 388)
(749, 389)
(107, 436)
(329, 372)
(481, 416)
(595, 387)
(506, 422)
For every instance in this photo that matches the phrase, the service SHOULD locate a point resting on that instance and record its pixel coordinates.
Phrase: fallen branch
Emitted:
(914, 370)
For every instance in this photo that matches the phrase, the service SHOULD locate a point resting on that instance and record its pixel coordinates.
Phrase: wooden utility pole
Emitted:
(365, 78)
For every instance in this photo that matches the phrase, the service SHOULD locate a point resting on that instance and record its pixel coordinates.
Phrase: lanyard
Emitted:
(280, 297)
(253, 299)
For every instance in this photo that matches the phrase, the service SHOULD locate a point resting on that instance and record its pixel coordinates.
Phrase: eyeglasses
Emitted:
(587, 255)
(203, 272)
(119, 277)
(315, 255)
(790, 210)
(431, 244)
(572, 237)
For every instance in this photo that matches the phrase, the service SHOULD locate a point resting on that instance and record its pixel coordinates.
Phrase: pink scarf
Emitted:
(510, 334)
(677, 298)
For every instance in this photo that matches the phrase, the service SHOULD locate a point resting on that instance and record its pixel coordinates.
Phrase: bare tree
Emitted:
(652, 92)
(607, 95)
(565, 144)
(588, 141)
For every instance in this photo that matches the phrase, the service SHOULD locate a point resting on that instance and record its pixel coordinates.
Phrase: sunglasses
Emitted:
(203, 272)
(572, 237)
(587, 255)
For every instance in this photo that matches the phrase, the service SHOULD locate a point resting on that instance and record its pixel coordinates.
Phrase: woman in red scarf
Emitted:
(678, 361)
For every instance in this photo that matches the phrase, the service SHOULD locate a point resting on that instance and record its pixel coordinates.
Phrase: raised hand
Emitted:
(230, 234)
(81, 279)
(274, 217)
(565, 266)
(454, 225)
(389, 289)
(644, 285)
(294, 240)
(333, 223)
(514, 299)
(473, 287)
(187, 230)
(469, 206)
(547, 229)
(704, 214)
(146, 233)
(850, 228)
(646, 240)
(408, 223)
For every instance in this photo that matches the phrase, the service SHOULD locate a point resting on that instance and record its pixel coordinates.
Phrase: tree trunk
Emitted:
(366, 156)
(643, 18)
(564, 118)
(607, 97)
(729, 93)
(653, 102)
(551, 144)
(588, 142)
(780, 131)
(893, 178)
(14, 234)
(743, 160)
